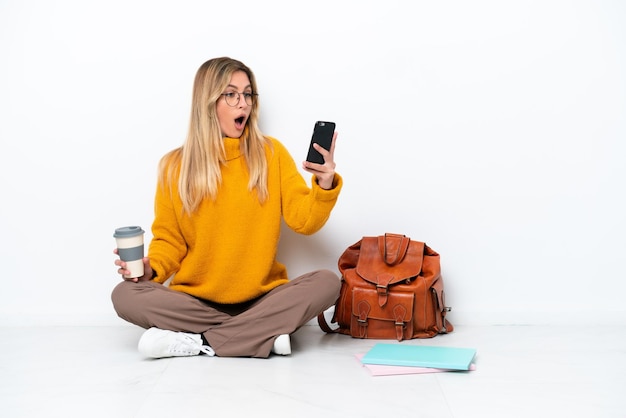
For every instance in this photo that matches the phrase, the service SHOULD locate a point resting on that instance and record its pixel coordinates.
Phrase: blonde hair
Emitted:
(198, 162)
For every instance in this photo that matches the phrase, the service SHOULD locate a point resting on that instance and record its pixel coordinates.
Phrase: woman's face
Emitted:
(233, 119)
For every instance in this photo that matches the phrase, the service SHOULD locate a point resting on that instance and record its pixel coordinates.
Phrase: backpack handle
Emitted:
(385, 246)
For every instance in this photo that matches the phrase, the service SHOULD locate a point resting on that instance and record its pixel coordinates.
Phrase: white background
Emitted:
(493, 131)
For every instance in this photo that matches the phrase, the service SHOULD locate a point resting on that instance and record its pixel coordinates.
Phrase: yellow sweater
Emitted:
(226, 251)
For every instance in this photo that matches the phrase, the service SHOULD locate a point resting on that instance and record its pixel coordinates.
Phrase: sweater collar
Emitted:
(231, 148)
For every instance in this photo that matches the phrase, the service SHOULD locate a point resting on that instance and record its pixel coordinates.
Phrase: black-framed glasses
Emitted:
(232, 98)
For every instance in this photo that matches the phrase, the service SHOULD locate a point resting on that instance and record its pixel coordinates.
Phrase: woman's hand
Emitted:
(147, 270)
(324, 173)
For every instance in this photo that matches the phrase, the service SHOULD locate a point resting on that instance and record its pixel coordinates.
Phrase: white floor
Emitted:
(522, 371)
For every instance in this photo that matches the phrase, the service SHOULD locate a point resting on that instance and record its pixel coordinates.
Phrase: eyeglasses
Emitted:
(232, 98)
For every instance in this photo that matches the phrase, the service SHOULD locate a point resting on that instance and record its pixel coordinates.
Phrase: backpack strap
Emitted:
(399, 313)
(321, 320)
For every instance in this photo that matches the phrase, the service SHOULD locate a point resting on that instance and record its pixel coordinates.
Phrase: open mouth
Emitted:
(240, 122)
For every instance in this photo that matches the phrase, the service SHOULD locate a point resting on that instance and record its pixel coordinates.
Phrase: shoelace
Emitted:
(188, 341)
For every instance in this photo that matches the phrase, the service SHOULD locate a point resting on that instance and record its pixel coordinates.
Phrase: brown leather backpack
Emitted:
(391, 289)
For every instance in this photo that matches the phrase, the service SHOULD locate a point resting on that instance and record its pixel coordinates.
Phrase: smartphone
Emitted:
(322, 135)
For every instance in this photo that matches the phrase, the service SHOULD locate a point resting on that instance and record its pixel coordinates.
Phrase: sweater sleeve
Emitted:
(305, 209)
(167, 248)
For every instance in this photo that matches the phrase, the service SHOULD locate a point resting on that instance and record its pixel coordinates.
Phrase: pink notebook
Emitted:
(379, 370)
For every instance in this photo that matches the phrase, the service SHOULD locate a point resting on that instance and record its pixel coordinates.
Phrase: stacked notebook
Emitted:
(388, 359)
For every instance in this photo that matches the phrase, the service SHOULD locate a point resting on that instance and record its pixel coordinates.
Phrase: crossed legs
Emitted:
(242, 330)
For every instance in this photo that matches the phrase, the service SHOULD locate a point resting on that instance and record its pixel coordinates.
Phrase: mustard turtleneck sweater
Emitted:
(226, 251)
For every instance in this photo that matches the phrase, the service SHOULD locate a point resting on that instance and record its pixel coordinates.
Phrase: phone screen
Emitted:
(322, 135)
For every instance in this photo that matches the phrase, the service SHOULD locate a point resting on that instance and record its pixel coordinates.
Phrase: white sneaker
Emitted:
(282, 345)
(159, 343)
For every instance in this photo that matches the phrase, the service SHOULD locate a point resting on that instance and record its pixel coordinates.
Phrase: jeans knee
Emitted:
(332, 282)
(121, 296)
(117, 291)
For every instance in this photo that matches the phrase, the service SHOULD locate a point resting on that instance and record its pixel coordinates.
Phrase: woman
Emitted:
(218, 209)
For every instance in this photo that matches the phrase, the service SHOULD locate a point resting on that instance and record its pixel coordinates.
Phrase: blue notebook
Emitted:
(420, 356)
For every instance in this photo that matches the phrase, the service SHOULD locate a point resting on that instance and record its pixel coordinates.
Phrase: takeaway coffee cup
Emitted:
(130, 249)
